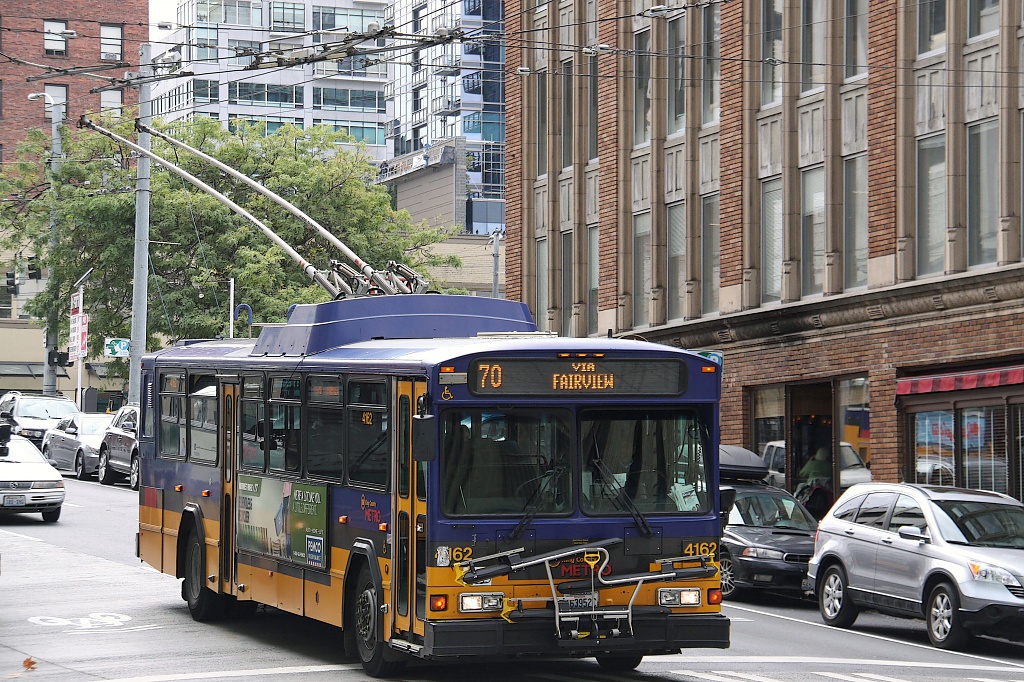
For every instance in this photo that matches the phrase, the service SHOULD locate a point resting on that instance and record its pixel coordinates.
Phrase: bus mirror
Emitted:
(726, 498)
(422, 405)
(424, 436)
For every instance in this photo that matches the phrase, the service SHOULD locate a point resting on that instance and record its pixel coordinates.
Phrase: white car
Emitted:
(28, 483)
(852, 469)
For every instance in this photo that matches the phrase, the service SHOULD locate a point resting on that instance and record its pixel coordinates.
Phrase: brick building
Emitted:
(48, 48)
(826, 191)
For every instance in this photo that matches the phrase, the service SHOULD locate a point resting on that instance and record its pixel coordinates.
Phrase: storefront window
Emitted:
(966, 447)
(854, 418)
(769, 416)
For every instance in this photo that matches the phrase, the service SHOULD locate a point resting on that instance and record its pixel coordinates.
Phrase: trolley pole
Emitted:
(140, 291)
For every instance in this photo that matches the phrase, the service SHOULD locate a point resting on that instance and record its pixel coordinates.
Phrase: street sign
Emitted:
(116, 348)
(83, 338)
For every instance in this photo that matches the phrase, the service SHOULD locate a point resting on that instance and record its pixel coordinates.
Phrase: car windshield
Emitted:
(95, 425)
(45, 408)
(21, 451)
(848, 457)
(767, 510)
(980, 524)
(506, 462)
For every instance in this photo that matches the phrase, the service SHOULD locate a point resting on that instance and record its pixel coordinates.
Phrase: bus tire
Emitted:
(203, 603)
(373, 653)
(619, 662)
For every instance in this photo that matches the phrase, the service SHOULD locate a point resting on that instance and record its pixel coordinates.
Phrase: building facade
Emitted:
(826, 191)
(51, 48)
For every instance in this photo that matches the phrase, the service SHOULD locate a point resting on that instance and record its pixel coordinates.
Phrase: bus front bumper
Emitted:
(653, 633)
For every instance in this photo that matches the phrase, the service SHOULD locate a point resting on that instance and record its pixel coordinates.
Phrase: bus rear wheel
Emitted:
(373, 654)
(619, 662)
(203, 603)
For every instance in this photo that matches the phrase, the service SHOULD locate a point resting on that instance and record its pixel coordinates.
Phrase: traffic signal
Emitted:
(12, 283)
(34, 271)
(58, 359)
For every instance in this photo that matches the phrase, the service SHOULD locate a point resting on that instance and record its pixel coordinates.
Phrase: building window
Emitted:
(856, 37)
(367, 132)
(568, 122)
(812, 45)
(59, 93)
(641, 88)
(206, 91)
(676, 260)
(243, 12)
(642, 269)
(343, 99)
(110, 102)
(205, 44)
(710, 75)
(677, 75)
(771, 52)
(111, 42)
(709, 254)
(541, 303)
(55, 42)
(769, 408)
(592, 127)
(242, 92)
(6, 304)
(287, 16)
(542, 123)
(964, 447)
(931, 205)
(854, 405)
(812, 230)
(245, 51)
(342, 19)
(983, 17)
(855, 222)
(931, 25)
(593, 275)
(982, 192)
(567, 298)
(771, 240)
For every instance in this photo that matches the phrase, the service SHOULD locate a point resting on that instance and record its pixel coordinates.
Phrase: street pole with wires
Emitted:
(140, 291)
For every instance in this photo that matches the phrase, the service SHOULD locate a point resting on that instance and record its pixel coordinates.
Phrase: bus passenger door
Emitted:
(229, 449)
(410, 516)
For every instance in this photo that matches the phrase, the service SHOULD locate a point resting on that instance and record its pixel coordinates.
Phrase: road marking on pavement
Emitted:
(19, 535)
(870, 635)
(72, 504)
(859, 677)
(844, 662)
(259, 672)
(704, 676)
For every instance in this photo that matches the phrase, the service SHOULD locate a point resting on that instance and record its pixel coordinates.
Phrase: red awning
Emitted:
(961, 381)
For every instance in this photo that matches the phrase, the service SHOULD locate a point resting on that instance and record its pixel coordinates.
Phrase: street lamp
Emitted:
(57, 115)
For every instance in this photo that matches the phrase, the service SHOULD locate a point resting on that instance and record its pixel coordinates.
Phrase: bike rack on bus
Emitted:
(570, 611)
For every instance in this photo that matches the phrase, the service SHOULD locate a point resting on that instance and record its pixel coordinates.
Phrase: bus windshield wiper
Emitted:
(623, 500)
(533, 504)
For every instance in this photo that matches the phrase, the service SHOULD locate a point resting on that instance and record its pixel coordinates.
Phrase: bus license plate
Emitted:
(14, 500)
(581, 602)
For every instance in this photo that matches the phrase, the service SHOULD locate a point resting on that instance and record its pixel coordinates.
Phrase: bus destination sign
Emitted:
(576, 376)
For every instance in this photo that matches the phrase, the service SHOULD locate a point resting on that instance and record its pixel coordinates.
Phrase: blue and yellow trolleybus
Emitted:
(439, 480)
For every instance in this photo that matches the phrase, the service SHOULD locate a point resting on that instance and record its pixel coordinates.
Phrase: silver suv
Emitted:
(951, 556)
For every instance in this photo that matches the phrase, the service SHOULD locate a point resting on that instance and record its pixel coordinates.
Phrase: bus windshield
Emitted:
(506, 462)
(644, 461)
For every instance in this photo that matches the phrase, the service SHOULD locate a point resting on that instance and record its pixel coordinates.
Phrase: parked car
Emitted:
(28, 483)
(119, 451)
(951, 556)
(74, 442)
(770, 535)
(815, 493)
(31, 416)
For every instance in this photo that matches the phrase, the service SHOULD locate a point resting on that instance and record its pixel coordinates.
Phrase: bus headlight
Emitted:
(475, 602)
(679, 596)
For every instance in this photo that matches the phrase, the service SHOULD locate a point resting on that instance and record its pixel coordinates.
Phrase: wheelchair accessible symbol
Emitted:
(446, 394)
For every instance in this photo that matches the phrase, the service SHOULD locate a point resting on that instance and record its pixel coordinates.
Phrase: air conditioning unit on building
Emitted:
(110, 56)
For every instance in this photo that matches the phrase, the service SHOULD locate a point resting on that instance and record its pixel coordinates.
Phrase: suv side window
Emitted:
(848, 510)
(907, 512)
(873, 511)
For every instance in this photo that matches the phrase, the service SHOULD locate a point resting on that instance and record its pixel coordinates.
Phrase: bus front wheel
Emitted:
(203, 603)
(373, 653)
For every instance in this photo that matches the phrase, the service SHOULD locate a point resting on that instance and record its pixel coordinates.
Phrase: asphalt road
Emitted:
(76, 605)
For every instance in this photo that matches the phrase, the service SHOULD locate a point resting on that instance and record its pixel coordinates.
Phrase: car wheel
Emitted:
(727, 573)
(80, 472)
(372, 651)
(104, 473)
(945, 624)
(203, 603)
(134, 474)
(52, 515)
(834, 601)
(619, 663)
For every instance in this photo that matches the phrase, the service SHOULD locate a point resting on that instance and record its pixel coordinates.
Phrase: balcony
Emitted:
(447, 106)
(447, 65)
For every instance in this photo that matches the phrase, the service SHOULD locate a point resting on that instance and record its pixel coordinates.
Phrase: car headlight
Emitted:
(475, 602)
(762, 553)
(48, 484)
(993, 574)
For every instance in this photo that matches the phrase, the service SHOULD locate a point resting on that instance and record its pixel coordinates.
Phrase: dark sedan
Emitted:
(119, 451)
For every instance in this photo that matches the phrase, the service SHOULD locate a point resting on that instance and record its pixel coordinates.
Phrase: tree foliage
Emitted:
(198, 244)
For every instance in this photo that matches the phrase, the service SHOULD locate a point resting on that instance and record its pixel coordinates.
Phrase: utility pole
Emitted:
(140, 291)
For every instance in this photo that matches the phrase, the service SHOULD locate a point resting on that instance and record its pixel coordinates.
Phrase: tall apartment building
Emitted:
(446, 140)
(216, 40)
(826, 191)
(50, 48)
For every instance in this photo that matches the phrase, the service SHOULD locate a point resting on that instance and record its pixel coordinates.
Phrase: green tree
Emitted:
(198, 244)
